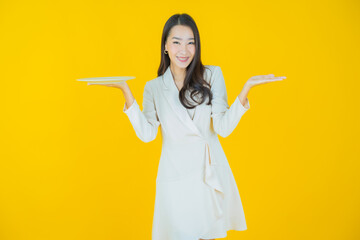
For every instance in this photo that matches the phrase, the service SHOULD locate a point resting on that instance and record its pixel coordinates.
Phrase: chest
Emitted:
(172, 114)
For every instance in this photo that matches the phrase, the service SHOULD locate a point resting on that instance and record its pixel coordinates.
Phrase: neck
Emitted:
(178, 73)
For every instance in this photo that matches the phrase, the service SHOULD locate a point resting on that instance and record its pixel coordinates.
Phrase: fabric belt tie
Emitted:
(212, 180)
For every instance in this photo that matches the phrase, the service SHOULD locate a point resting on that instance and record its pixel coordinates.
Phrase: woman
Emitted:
(196, 193)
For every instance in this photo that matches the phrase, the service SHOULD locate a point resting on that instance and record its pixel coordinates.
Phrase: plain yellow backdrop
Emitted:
(72, 167)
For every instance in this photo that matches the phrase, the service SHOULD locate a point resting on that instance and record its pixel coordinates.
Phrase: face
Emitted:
(180, 45)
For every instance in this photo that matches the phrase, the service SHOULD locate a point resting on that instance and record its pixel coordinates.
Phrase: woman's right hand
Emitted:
(121, 85)
(129, 98)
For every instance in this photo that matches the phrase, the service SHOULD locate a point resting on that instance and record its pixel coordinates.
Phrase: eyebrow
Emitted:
(181, 38)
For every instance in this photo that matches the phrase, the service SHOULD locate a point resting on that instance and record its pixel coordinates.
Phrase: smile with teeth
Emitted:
(183, 59)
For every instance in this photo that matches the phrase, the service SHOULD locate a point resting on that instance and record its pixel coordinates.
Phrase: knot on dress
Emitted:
(212, 180)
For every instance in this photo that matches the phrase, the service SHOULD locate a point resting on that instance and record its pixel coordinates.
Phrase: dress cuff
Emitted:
(130, 109)
(243, 107)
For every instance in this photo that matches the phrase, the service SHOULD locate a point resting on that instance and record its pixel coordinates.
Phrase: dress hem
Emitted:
(224, 236)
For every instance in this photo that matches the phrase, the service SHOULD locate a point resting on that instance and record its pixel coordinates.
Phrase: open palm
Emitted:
(261, 79)
(120, 85)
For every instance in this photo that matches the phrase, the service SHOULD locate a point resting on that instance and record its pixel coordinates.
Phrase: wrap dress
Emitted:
(196, 193)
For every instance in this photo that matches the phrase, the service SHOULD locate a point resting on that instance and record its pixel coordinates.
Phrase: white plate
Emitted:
(92, 83)
(105, 80)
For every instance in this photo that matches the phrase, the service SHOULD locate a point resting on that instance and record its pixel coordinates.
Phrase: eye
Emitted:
(192, 43)
(175, 42)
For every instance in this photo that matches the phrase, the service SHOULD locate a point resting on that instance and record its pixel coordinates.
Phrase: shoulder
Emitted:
(210, 69)
(211, 72)
(154, 81)
(153, 84)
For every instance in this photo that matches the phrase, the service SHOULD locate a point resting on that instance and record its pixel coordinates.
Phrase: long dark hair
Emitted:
(194, 79)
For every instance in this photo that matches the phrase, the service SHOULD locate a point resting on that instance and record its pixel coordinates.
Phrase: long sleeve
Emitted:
(225, 118)
(146, 122)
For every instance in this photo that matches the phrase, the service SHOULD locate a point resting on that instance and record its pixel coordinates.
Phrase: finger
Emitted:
(269, 76)
(272, 76)
(274, 79)
(265, 76)
(96, 84)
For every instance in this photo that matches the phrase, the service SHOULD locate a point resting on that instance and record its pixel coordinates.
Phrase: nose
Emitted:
(183, 48)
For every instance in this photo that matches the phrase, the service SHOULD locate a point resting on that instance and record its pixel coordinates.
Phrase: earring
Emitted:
(166, 52)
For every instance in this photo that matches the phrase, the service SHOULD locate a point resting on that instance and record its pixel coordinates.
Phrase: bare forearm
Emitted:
(129, 98)
(243, 94)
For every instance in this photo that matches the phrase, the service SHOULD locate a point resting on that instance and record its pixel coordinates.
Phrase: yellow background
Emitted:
(72, 167)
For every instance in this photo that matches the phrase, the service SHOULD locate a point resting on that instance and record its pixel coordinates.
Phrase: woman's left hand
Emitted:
(261, 79)
(120, 85)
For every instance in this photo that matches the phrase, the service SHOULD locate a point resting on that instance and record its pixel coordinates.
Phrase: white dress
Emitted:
(196, 193)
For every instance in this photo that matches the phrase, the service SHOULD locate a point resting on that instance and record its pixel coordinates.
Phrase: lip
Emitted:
(183, 59)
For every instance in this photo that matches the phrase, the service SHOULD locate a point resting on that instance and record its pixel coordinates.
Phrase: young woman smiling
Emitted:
(196, 193)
